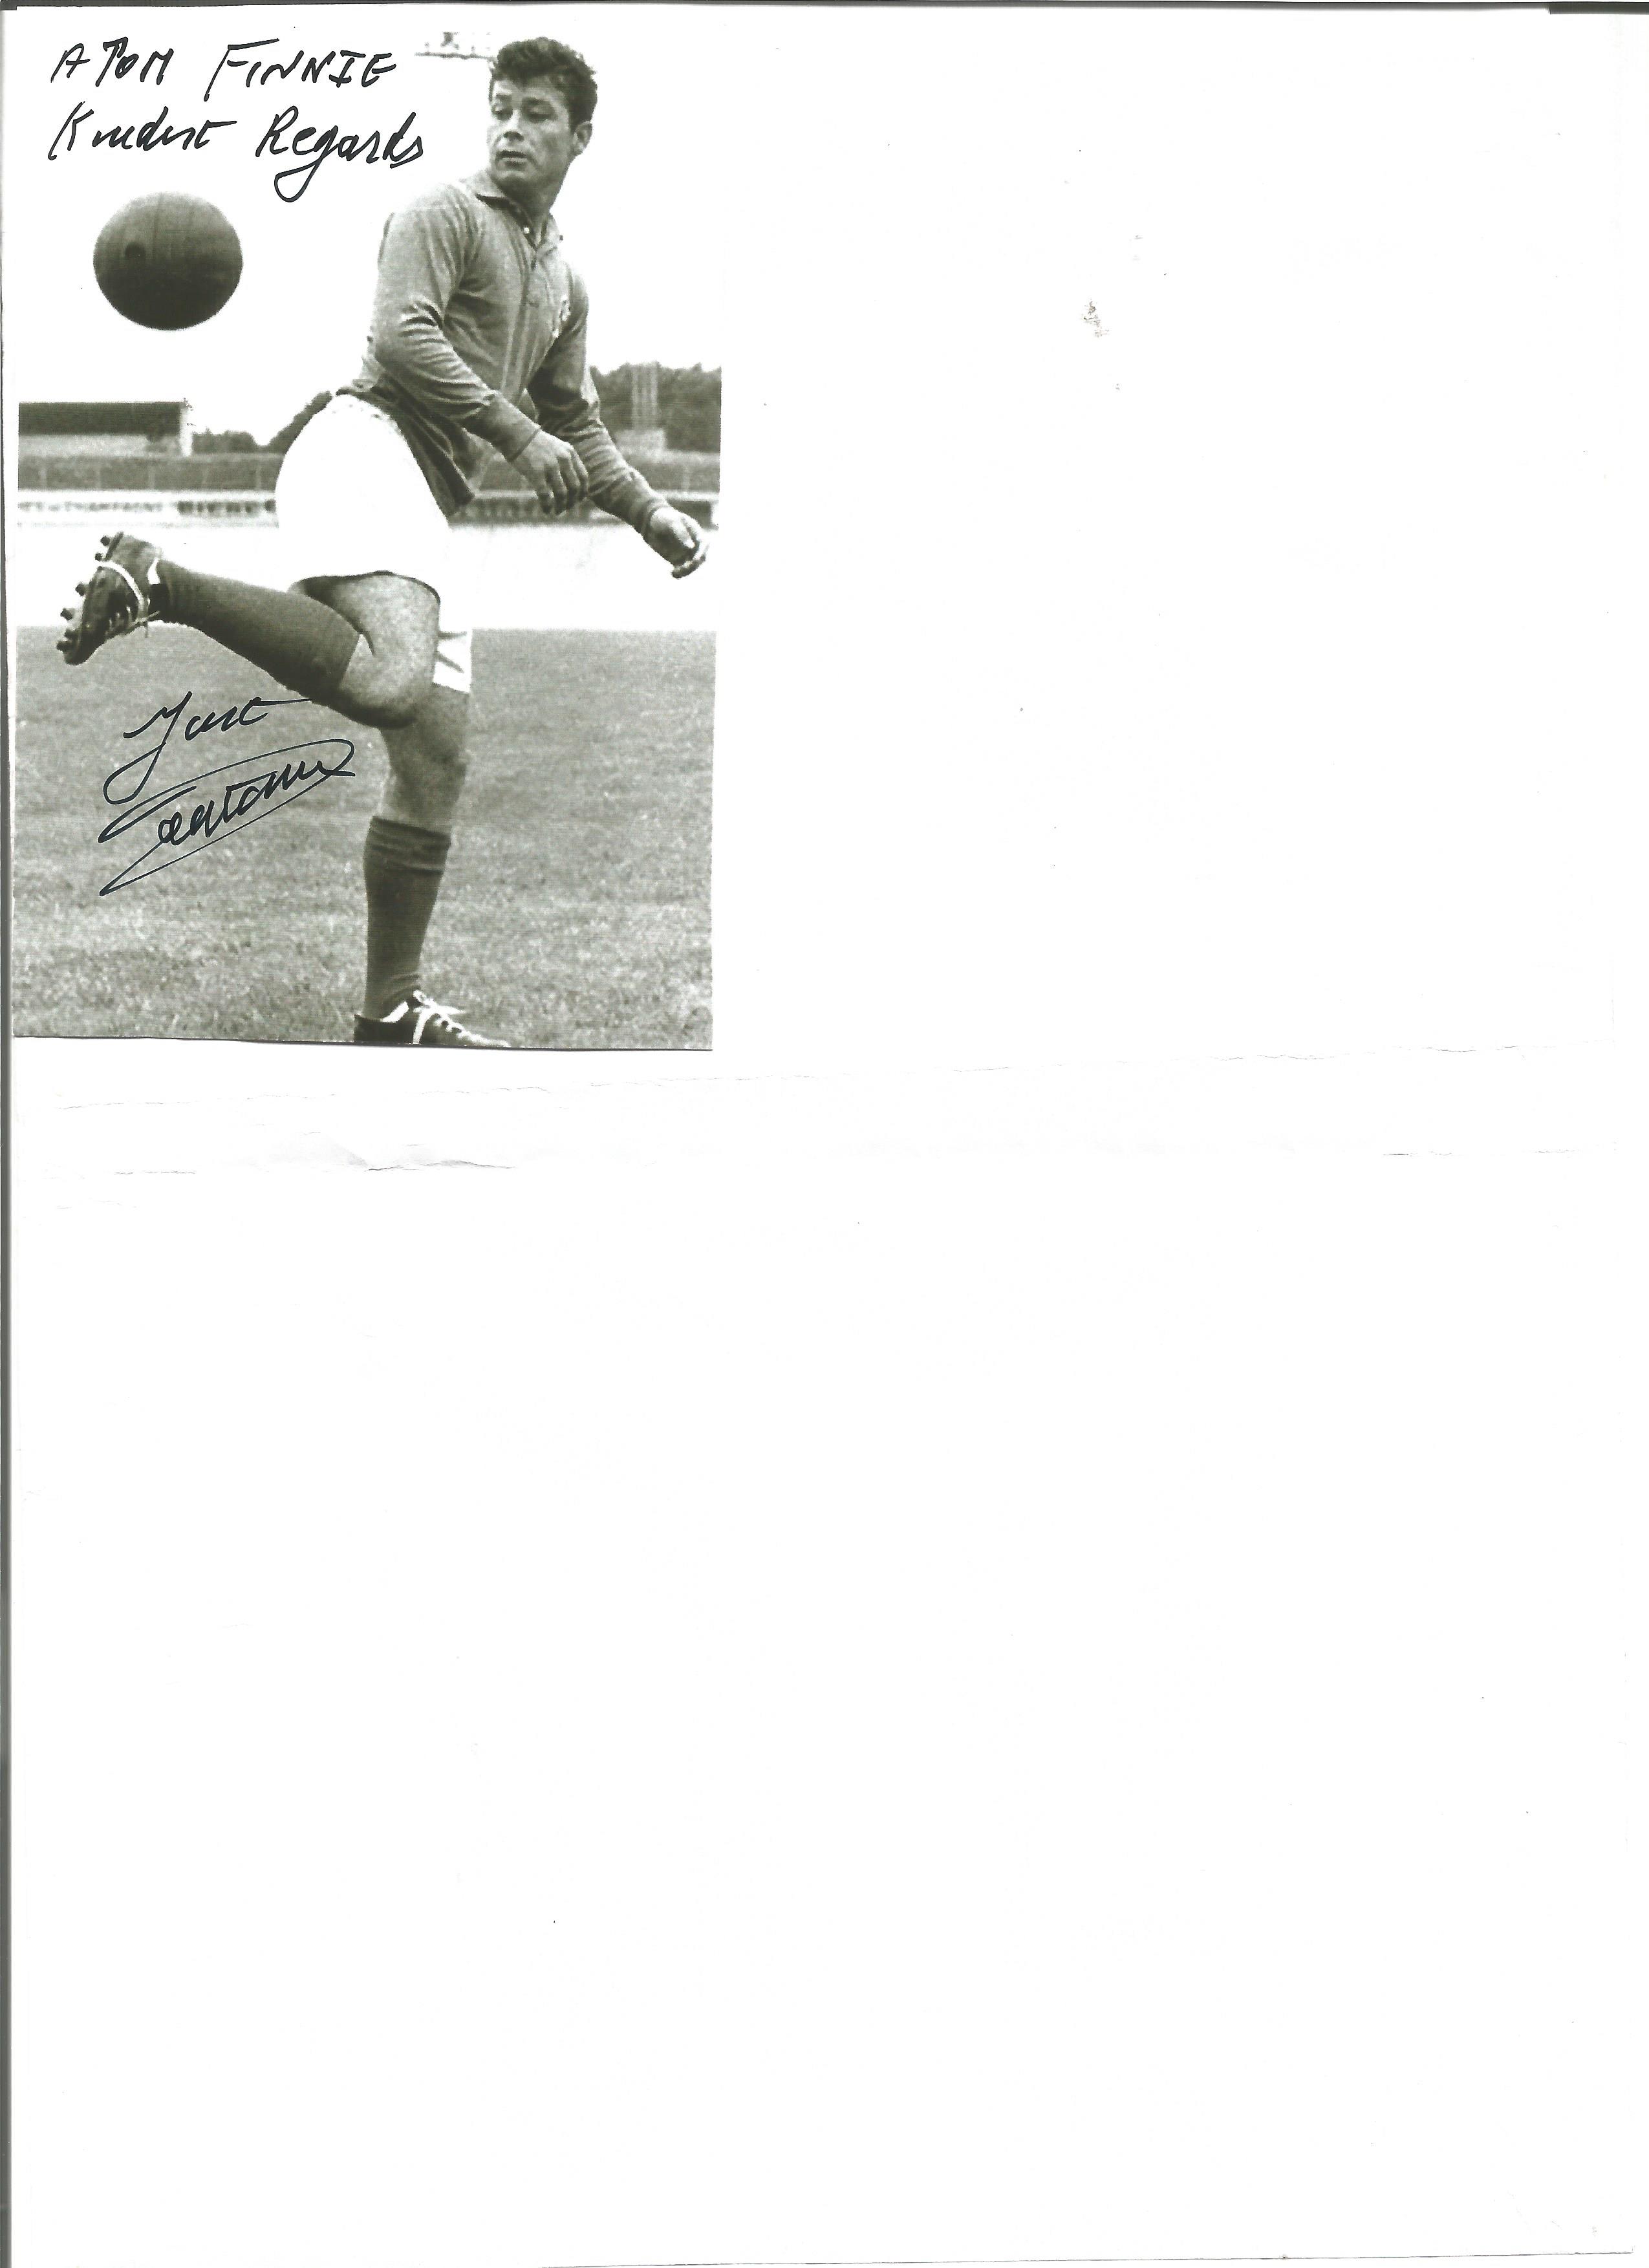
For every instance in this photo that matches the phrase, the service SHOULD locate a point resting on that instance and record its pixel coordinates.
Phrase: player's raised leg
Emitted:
(355, 516)
(375, 671)
(407, 843)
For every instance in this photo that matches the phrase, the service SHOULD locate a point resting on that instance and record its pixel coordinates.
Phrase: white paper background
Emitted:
(990, 1623)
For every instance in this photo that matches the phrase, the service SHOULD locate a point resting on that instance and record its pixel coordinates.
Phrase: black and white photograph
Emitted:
(357, 506)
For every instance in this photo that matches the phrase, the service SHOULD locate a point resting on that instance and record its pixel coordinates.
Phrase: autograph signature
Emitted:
(262, 786)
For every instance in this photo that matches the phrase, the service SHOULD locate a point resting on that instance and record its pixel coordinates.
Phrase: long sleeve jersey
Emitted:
(478, 339)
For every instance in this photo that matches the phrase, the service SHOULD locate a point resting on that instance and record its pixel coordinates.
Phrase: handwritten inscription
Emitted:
(182, 824)
(245, 67)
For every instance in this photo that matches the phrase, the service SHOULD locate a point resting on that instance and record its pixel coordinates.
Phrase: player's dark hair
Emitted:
(551, 59)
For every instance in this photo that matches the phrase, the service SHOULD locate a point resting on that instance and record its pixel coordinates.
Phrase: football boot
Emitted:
(419, 1022)
(122, 591)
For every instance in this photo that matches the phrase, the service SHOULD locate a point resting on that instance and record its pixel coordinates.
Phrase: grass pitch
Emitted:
(575, 912)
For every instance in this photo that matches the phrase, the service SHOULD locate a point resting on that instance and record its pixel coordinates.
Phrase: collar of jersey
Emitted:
(484, 187)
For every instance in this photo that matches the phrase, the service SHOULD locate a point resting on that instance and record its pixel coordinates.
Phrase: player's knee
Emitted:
(405, 685)
(387, 692)
(399, 706)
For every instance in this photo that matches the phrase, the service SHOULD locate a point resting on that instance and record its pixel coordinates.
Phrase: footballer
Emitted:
(477, 344)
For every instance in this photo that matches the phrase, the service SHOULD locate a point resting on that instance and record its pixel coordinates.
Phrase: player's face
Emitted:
(530, 141)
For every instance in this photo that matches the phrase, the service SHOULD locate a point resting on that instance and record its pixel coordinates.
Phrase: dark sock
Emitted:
(403, 868)
(299, 641)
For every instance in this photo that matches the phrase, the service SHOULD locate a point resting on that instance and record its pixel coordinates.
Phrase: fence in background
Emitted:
(237, 485)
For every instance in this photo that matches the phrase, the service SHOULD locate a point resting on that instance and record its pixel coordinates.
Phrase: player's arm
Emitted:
(425, 250)
(570, 409)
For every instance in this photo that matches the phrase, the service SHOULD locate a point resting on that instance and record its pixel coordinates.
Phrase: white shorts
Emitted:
(350, 500)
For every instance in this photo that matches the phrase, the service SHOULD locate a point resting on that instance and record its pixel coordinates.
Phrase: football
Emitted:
(167, 262)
